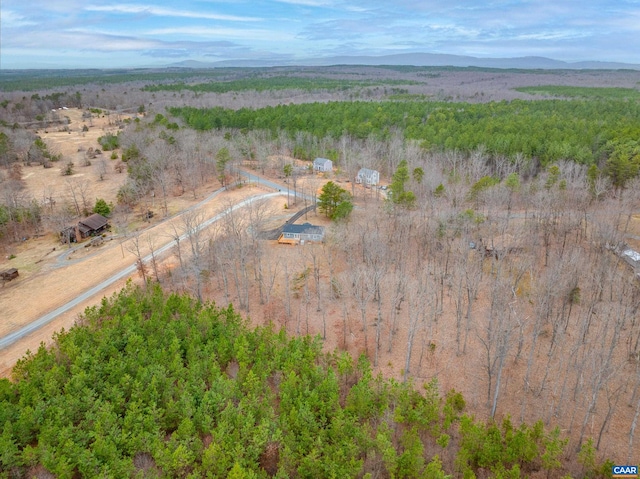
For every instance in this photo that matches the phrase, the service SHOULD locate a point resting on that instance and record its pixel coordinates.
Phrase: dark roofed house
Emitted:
(298, 234)
(93, 225)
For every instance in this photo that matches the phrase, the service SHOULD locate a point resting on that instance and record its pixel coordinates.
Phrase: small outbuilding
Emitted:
(299, 234)
(322, 165)
(8, 274)
(498, 246)
(69, 235)
(368, 177)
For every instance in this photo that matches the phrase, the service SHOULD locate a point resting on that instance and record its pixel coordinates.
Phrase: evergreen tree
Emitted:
(145, 382)
(223, 157)
(335, 202)
(102, 207)
(624, 162)
(398, 194)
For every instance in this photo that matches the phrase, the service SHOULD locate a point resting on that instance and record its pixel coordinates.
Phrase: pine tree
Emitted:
(102, 207)
(334, 202)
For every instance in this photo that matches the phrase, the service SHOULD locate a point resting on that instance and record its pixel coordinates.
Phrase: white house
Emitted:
(322, 164)
(368, 177)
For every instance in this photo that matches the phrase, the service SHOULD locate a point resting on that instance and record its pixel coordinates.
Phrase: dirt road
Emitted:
(51, 300)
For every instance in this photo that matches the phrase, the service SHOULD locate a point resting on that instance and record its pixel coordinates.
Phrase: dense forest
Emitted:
(156, 385)
(588, 132)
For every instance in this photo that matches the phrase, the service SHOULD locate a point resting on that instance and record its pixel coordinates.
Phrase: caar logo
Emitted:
(625, 471)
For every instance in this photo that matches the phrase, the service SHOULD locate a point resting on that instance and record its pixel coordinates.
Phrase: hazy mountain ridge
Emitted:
(421, 59)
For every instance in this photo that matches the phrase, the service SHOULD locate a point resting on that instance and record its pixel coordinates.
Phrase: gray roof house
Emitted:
(368, 177)
(322, 164)
(299, 234)
(632, 258)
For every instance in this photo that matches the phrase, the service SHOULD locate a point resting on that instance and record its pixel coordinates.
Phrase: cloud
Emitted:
(11, 19)
(549, 35)
(564, 29)
(167, 53)
(167, 12)
(242, 33)
(307, 3)
(78, 40)
(36, 6)
(214, 49)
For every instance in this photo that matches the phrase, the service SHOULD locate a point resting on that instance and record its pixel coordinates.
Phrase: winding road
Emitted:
(85, 282)
(14, 336)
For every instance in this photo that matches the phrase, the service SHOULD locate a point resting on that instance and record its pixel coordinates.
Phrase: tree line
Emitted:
(274, 83)
(602, 132)
(558, 309)
(583, 92)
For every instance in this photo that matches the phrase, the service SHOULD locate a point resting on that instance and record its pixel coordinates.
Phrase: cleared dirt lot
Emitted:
(73, 145)
(52, 190)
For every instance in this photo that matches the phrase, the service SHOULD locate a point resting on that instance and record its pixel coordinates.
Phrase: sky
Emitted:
(122, 33)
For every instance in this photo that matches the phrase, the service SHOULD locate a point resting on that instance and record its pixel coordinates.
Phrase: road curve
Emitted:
(47, 318)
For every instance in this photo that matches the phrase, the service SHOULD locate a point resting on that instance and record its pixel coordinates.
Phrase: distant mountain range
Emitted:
(421, 59)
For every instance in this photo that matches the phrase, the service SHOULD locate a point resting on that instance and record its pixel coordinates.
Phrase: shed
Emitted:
(9, 274)
(368, 177)
(68, 235)
(322, 164)
(296, 234)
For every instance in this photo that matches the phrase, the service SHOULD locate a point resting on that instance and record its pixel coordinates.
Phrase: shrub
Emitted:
(109, 142)
(68, 170)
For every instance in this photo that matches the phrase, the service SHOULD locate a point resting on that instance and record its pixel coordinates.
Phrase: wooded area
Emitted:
(155, 385)
(491, 266)
(548, 130)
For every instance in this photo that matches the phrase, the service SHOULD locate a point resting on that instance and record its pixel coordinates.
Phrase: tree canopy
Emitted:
(547, 130)
(157, 385)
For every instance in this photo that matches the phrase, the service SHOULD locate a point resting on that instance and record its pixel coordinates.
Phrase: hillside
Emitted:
(155, 385)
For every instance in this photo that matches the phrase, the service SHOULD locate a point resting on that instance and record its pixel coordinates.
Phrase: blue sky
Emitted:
(122, 33)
